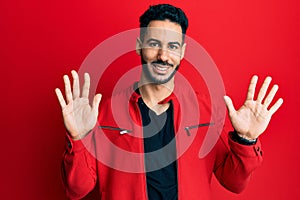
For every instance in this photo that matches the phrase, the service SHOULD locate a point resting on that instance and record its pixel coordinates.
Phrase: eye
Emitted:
(154, 44)
(173, 47)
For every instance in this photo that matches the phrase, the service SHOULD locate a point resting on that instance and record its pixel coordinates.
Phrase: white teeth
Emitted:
(161, 68)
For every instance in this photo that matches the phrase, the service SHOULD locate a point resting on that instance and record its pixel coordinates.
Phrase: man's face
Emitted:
(161, 51)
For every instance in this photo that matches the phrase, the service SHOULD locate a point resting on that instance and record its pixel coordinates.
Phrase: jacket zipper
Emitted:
(188, 128)
(177, 163)
(122, 130)
(144, 164)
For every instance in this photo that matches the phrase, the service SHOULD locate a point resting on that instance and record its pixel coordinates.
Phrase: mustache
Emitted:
(160, 62)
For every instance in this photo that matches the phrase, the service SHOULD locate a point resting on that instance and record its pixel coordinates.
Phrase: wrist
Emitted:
(245, 137)
(242, 139)
(80, 135)
(77, 137)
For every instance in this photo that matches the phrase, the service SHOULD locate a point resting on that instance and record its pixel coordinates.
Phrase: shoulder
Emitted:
(117, 101)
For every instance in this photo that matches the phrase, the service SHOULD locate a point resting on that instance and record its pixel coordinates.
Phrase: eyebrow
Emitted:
(175, 43)
(155, 40)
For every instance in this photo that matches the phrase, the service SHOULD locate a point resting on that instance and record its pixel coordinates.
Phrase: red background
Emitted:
(42, 40)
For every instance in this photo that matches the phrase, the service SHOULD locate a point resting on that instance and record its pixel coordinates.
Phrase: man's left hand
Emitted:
(252, 119)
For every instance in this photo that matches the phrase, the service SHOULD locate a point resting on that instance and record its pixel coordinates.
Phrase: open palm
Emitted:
(79, 116)
(252, 119)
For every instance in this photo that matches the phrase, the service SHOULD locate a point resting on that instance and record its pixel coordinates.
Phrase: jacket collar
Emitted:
(136, 95)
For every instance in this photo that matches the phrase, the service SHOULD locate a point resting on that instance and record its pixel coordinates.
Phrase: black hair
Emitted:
(163, 12)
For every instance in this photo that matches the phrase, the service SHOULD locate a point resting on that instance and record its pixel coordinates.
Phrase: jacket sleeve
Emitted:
(236, 162)
(79, 167)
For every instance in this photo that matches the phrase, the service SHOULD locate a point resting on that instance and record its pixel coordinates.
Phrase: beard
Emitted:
(154, 80)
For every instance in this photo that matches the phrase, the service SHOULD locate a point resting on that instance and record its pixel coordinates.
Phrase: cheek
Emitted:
(149, 55)
(175, 57)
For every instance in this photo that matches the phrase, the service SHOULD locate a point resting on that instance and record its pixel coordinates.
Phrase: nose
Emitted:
(162, 54)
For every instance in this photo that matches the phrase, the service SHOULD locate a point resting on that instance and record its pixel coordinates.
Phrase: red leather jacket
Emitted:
(111, 158)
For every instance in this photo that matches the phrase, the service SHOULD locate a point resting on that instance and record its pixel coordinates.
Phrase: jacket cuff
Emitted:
(245, 150)
(235, 136)
(78, 145)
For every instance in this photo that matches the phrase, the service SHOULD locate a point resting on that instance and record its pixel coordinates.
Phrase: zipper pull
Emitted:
(187, 131)
(124, 132)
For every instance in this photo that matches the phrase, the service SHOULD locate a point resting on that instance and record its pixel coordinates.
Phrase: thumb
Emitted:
(229, 105)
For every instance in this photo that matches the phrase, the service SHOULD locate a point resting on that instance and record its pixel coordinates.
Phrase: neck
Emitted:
(154, 93)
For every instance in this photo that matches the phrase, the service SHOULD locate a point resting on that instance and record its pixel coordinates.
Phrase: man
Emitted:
(159, 127)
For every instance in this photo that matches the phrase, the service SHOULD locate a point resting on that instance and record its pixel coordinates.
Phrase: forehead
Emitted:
(164, 31)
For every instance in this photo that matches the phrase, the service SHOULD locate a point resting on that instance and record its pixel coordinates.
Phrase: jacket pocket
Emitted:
(120, 137)
(112, 128)
(188, 128)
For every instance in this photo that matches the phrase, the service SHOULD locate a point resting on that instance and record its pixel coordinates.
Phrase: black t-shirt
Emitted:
(159, 139)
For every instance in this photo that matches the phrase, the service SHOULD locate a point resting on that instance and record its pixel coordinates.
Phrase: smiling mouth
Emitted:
(161, 69)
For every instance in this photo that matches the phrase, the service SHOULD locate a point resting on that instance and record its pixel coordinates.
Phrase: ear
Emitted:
(182, 51)
(138, 46)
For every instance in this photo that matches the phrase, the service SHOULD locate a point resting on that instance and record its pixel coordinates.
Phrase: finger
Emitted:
(86, 85)
(76, 89)
(96, 102)
(271, 95)
(276, 106)
(60, 98)
(68, 89)
(229, 105)
(263, 89)
(251, 89)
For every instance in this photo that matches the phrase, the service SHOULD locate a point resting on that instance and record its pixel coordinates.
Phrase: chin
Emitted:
(157, 81)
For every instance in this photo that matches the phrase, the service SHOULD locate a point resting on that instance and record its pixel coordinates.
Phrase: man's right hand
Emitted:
(79, 116)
